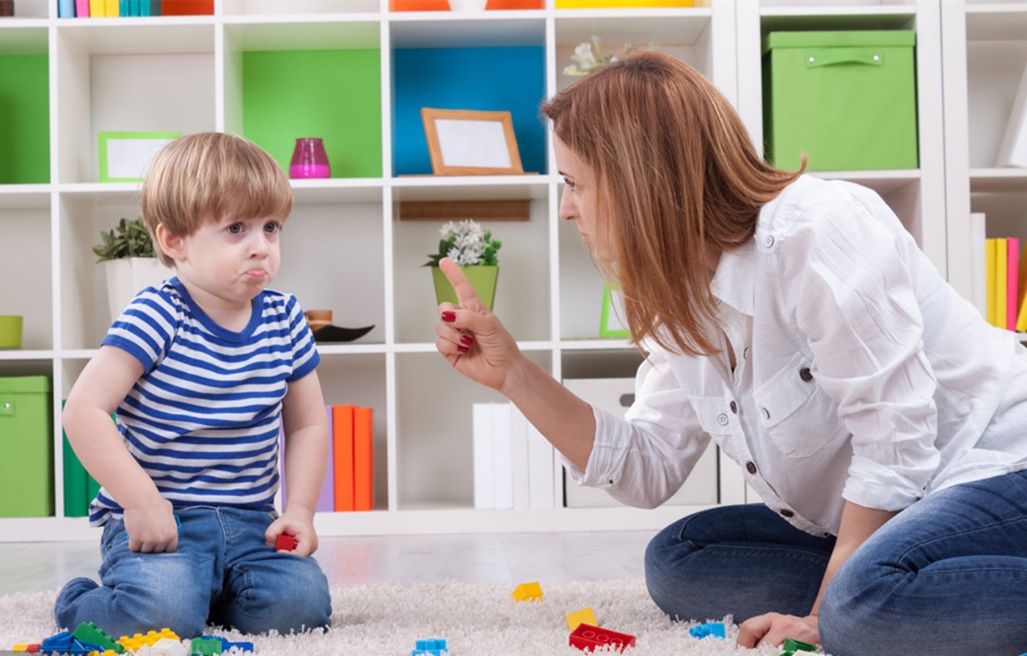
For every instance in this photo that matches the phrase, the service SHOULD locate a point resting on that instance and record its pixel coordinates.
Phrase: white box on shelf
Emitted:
(978, 263)
(1013, 149)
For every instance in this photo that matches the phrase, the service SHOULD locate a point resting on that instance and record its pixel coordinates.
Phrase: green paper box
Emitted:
(26, 441)
(846, 98)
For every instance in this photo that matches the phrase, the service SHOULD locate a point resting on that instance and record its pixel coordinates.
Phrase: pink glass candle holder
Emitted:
(309, 159)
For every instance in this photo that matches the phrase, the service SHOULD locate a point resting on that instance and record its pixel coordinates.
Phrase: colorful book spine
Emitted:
(1012, 276)
(363, 459)
(326, 502)
(98, 8)
(342, 429)
(1001, 300)
(112, 8)
(82, 8)
(65, 8)
(990, 258)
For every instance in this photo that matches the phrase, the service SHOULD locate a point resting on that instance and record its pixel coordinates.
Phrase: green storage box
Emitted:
(846, 99)
(26, 442)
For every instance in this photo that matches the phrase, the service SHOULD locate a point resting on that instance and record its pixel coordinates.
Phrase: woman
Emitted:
(795, 323)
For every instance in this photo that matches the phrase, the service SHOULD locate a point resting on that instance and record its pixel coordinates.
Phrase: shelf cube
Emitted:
(846, 98)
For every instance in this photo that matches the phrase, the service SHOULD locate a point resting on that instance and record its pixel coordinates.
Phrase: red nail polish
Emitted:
(448, 316)
(463, 349)
(466, 340)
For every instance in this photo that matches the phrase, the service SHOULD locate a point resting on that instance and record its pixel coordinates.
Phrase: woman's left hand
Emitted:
(773, 628)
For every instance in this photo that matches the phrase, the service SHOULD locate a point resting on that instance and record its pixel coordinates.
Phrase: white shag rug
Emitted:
(387, 620)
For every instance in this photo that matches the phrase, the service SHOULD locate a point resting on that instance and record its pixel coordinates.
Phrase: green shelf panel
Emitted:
(332, 94)
(24, 119)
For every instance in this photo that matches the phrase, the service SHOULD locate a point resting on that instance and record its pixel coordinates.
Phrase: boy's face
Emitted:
(232, 259)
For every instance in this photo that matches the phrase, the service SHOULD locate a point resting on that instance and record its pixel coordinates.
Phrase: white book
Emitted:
(1013, 149)
(484, 449)
(541, 471)
(502, 455)
(519, 459)
(978, 264)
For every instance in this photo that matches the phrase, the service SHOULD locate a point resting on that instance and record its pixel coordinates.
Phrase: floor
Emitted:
(550, 558)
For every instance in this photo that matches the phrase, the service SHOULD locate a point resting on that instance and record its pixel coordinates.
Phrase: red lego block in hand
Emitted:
(587, 637)
(285, 542)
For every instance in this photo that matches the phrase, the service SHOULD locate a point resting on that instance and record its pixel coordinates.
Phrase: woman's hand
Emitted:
(773, 628)
(471, 337)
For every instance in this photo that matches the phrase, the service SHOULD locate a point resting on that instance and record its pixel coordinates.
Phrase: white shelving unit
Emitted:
(346, 247)
(985, 56)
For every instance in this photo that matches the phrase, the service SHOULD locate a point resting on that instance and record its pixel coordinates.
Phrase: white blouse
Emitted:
(860, 374)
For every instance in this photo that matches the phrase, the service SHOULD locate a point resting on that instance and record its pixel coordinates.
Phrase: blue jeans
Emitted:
(946, 576)
(222, 573)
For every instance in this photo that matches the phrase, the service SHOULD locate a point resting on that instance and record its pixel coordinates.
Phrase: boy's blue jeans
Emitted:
(222, 573)
(948, 575)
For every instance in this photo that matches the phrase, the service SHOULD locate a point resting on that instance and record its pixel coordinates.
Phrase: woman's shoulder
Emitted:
(814, 204)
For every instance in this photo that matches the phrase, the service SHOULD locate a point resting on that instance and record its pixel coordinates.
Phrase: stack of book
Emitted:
(514, 465)
(998, 277)
(117, 8)
(349, 481)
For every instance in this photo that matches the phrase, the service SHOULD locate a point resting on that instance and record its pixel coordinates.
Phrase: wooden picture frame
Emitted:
(125, 156)
(468, 142)
(610, 320)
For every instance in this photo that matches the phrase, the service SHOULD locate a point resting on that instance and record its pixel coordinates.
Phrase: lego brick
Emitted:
(583, 616)
(794, 645)
(527, 592)
(285, 543)
(715, 629)
(89, 632)
(587, 637)
(429, 647)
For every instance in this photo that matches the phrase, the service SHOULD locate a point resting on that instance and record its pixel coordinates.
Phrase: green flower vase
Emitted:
(483, 279)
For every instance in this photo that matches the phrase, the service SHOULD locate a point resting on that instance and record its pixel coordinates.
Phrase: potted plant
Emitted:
(475, 251)
(130, 261)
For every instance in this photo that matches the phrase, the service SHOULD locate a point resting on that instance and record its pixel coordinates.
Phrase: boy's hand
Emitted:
(298, 525)
(152, 529)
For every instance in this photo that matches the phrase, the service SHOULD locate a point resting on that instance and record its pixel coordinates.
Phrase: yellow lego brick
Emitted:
(527, 592)
(583, 616)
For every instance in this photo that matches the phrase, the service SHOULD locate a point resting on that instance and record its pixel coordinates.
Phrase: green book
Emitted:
(79, 487)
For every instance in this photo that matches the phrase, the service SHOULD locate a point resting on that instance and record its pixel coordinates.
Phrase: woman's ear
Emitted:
(169, 243)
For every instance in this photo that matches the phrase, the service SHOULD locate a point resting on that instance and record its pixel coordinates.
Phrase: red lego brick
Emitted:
(587, 637)
(285, 543)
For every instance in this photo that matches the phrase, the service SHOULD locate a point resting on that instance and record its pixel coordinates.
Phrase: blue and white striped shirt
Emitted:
(203, 420)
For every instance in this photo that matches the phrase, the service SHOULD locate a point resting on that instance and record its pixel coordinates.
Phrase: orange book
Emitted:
(419, 5)
(363, 458)
(342, 444)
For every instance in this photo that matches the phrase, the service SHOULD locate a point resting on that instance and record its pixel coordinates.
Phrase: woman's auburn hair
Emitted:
(209, 176)
(675, 171)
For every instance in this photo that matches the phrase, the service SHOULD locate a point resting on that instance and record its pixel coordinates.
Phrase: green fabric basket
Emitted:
(26, 441)
(847, 99)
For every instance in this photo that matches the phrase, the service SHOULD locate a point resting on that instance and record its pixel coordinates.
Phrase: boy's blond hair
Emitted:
(205, 177)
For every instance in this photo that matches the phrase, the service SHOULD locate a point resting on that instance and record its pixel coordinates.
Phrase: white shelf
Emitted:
(346, 247)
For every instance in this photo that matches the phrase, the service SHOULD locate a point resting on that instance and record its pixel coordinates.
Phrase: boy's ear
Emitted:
(169, 243)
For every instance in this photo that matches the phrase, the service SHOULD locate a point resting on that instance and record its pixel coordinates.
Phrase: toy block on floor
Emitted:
(527, 592)
(89, 632)
(285, 543)
(205, 646)
(715, 629)
(587, 637)
(583, 616)
(792, 644)
(430, 647)
(152, 637)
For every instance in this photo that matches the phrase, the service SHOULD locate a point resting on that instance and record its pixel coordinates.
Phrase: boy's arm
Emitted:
(103, 384)
(306, 459)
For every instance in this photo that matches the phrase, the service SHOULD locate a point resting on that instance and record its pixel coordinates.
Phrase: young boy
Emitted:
(202, 372)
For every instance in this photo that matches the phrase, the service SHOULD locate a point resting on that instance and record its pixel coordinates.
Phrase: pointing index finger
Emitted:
(465, 293)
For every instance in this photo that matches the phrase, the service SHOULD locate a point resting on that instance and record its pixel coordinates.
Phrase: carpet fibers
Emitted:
(386, 620)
